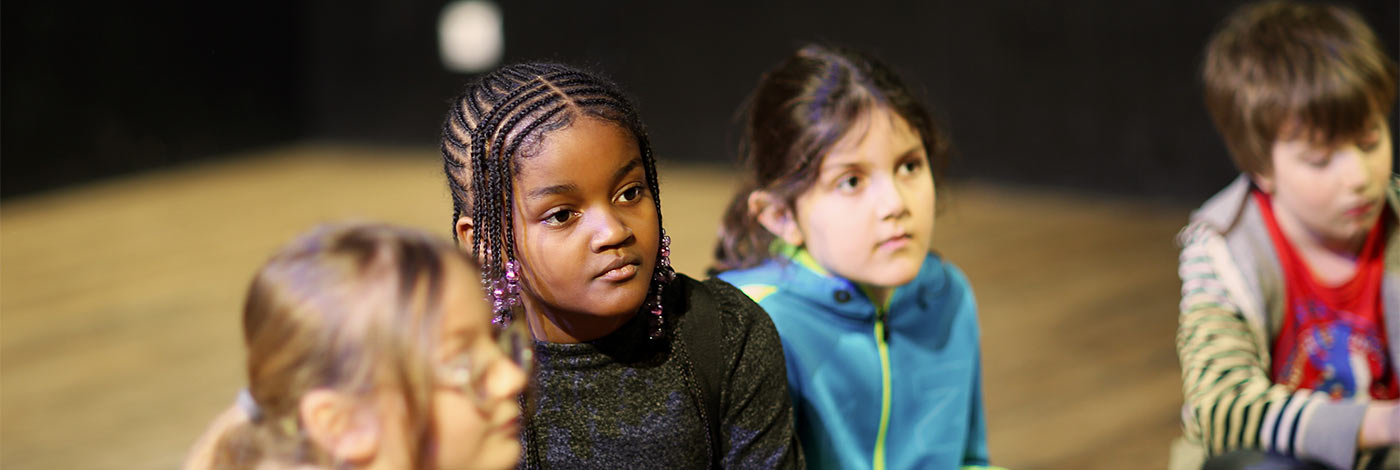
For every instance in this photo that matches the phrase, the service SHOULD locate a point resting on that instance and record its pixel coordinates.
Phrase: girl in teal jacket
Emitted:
(831, 236)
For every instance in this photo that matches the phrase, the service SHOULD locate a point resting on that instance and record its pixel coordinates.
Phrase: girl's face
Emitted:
(586, 230)
(869, 216)
(476, 415)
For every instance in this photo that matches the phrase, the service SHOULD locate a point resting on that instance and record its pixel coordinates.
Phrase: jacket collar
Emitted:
(1223, 210)
(804, 277)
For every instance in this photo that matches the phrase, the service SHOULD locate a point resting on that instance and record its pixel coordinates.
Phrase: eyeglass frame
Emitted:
(463, 372)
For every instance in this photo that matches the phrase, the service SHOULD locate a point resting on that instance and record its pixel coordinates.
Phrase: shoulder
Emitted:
(1224, 209)
(732, 303)
(1220, 215)
(741, 320)
(944, 272)
(941, 278)
(785, 295)
(1229, 228)
(942, 287)
(757, 283)
(1206, 253)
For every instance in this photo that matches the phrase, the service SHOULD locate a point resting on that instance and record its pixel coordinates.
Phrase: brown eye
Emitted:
(559, 217)
(910, 167)
(630, 194)
(848, 183)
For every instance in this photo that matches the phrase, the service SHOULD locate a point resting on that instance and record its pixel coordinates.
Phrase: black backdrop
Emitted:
(1093, 95)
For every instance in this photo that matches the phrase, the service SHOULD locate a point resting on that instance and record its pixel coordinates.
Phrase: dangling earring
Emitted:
(662, 276)
(504, 294)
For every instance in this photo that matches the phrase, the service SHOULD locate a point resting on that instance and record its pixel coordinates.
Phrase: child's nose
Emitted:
(610, 232)
(891, 201)
(1356, 168)
(507, 382)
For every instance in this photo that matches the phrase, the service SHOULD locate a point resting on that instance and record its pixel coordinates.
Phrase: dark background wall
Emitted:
(1095, 95)
(94, 88)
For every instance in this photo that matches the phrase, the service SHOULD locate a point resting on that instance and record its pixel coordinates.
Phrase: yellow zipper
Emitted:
(883, 345)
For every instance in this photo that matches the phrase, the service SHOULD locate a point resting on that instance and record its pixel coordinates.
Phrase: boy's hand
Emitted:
(1380, 426)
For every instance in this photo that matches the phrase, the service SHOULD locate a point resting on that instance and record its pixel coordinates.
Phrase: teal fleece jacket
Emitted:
(896, 386)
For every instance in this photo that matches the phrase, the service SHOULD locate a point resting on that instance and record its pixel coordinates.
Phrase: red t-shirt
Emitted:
(1333, 337)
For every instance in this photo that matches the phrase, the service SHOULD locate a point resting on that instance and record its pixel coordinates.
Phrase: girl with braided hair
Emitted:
(554, 190)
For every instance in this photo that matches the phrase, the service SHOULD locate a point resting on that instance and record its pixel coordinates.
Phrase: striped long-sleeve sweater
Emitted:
(1232, 300)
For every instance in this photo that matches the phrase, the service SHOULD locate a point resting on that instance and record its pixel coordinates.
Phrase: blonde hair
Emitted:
(347, 307)
(1276, 62)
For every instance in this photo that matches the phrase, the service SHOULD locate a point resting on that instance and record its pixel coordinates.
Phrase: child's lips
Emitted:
(896, 242)
(620, 270)
(1362, 209)
(510, 426)
(620, 274)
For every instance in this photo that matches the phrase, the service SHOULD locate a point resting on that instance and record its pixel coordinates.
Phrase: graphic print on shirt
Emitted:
(1332, 351)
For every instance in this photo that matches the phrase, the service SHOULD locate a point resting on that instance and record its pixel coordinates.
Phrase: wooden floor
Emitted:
(119, 301)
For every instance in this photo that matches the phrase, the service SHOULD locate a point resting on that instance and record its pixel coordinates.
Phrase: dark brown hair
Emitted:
(1280, 63)
(798, 112)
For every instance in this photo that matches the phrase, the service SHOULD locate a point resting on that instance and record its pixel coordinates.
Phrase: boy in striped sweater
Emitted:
(1289, 333)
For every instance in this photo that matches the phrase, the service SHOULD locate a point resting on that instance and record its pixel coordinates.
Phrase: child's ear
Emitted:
(464, 232)
(337, 425)
(775, 216)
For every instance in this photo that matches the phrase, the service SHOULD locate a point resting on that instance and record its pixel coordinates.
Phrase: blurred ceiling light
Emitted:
(470, 36)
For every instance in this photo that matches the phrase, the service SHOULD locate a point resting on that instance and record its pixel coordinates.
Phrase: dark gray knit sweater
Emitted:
(626, 401)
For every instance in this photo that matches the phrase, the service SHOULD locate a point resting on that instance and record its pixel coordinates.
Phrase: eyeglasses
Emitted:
(468, 370)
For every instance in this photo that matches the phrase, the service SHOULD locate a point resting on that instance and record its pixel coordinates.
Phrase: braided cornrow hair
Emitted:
(501, 118)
